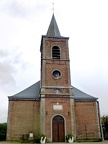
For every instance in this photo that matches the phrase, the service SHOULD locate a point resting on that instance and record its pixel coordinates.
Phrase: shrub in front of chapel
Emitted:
(3, 131)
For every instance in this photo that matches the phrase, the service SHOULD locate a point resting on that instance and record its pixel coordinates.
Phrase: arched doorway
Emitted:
(58, 131)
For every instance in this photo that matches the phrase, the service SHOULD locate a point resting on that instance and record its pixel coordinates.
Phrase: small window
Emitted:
(57, 91)
(56, 74)
(55, 52)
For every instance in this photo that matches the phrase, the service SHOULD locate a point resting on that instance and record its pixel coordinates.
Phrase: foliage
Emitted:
(69, 136)
(3, 131)
(43, 136)
(104, 120)
(89, 140)
(37, 139)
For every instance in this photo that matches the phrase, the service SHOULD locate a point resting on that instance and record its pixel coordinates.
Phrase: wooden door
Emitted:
(58, 133)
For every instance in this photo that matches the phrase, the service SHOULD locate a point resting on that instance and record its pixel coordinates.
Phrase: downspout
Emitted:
(100, 124)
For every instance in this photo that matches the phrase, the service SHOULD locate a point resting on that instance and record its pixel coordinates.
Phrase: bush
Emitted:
(104, 120)
(3, 131)
(69, 136)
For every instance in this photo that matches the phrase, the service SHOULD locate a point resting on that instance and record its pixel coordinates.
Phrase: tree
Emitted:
(3, 130)
(105, 126)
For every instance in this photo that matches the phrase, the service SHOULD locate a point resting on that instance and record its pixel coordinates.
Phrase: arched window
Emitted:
(55, 52)
(57, 91)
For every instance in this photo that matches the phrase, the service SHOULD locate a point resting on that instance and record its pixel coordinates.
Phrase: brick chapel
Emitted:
(52, 106)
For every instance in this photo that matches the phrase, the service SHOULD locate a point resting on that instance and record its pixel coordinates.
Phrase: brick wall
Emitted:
(50, 113)
(87, 120)
(24, 117)
(48, 65)
(48, 43)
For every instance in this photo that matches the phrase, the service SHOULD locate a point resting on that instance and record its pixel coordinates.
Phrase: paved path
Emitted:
(104, 142)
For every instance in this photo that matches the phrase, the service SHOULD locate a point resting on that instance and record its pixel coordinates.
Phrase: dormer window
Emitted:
(55, 52)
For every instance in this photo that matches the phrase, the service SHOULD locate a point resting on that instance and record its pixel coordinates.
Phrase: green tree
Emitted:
(3, 130)
(105, 126)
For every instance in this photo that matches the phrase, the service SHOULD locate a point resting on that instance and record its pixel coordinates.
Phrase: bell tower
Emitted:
(56, 98)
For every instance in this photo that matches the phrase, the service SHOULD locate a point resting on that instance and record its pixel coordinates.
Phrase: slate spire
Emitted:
(53, 29)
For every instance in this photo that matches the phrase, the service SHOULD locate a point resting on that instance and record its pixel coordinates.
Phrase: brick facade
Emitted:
(65, 113)
(34, 109)
(87, 119)
(48, 65)
(23, 118)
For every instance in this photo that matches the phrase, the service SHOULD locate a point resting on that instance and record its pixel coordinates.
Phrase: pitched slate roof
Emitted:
(53, 29)
(79, 95)
(32, 93)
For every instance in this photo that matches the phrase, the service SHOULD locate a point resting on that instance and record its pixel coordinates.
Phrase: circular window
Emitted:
(56, 74)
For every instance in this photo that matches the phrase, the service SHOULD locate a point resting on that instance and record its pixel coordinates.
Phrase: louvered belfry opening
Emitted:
(55, 52)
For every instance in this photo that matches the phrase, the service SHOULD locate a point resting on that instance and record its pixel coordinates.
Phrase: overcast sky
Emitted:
(22, 22)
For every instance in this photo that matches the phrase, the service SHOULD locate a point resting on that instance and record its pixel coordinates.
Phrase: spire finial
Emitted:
(53, 29)
(53, 7)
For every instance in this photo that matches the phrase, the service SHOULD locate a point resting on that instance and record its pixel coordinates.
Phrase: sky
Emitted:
(23, 22)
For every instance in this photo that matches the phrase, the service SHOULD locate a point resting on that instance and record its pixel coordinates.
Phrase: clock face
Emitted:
(56, 74)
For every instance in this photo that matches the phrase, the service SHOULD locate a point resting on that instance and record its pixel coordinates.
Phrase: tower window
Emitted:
(55, 52)
(56, 74)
